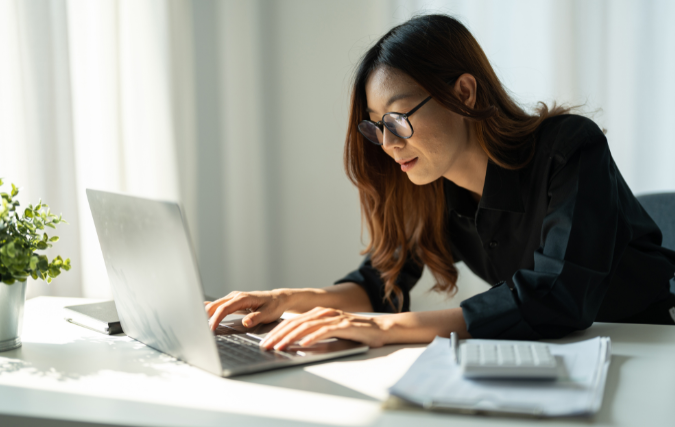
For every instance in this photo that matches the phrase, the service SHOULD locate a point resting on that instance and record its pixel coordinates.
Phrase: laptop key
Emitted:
(237, 351)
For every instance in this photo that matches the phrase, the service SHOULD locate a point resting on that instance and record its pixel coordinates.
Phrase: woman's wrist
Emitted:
(421, 327)
(296, 300)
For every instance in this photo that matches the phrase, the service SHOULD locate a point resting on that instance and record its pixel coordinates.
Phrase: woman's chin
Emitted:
(420, 179)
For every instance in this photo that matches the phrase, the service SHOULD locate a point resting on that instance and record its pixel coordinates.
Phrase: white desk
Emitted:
(66, 372)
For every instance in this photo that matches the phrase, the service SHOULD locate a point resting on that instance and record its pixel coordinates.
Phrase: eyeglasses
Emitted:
(396, 123)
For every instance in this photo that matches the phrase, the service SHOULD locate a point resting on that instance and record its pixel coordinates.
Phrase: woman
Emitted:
(533, 204)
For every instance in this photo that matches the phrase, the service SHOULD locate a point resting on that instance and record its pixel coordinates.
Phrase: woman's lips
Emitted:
(406, 166)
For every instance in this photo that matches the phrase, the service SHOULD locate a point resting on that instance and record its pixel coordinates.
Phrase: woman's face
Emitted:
(442, 143)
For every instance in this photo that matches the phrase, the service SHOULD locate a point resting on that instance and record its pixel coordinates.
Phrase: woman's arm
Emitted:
(345, 296)
(402, 328)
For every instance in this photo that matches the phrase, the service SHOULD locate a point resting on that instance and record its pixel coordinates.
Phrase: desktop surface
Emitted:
(64, 372)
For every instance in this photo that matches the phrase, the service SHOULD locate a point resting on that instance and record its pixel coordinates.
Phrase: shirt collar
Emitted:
(501, 191)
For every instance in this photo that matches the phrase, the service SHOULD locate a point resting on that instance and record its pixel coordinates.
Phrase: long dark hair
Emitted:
(403, 219)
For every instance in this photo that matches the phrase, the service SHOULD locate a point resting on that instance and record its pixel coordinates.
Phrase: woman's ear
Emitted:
(465, 88)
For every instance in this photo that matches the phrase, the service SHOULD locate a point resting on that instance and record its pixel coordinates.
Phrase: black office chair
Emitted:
(661, 207)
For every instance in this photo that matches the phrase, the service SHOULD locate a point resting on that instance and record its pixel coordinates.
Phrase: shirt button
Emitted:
(493, 244)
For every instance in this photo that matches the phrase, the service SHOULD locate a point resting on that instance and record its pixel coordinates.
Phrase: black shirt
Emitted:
(563, 242)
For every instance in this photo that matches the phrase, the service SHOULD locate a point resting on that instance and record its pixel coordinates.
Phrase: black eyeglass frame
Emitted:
(381, 124)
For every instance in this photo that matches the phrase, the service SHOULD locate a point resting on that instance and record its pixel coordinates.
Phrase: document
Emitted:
(434, 381)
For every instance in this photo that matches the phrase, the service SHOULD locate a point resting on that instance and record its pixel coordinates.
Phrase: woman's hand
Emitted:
(321, 323)
(267, 306)
(264, 307)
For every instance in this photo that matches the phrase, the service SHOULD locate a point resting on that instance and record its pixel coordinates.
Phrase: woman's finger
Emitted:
(328, 331)
(229, 307)
(299, 332)
(213, 305)
(288, 325)
(257, 317)
(225, 298)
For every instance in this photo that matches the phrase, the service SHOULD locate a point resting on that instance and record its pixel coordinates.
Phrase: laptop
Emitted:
(159, 297)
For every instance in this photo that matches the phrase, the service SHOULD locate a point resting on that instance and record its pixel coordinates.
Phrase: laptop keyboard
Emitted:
(237, 351)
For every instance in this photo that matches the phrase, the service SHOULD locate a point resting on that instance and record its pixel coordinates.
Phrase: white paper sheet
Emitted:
(435, 381)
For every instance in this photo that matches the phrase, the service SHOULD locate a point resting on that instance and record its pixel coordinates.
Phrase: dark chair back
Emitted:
(661, 207)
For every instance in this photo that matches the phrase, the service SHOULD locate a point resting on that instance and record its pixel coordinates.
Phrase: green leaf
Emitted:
(11, 250)
(54, 239)
(28, 213)
(54, 271)
(43, 263)
(66, 264)
(45, 237)
(41, 245)
(15, 190)
(50, 225)
(34, 275)
(33, 264)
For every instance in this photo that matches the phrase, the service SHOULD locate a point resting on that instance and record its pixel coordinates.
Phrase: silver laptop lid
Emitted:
(154, 276)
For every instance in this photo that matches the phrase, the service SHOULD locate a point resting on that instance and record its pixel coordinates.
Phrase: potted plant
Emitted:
(22, 235)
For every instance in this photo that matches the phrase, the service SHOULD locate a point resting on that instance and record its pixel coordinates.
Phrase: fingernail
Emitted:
(246, 323)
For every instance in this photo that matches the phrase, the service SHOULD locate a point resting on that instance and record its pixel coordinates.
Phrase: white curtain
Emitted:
(86, 101)
(238, 110)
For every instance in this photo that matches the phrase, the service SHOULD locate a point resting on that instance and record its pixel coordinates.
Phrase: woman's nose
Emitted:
(389, 140)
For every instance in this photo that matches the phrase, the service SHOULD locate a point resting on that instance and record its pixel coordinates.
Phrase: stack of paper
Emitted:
(434, 381)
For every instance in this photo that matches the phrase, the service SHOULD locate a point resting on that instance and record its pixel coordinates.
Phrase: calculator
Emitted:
(507, 359)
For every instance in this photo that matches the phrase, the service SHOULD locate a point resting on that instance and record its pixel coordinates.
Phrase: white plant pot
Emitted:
(12, 302)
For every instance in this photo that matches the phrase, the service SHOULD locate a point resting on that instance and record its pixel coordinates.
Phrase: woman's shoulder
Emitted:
(563, 135)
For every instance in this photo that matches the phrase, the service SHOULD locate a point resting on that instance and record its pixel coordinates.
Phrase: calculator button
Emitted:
(506, 355)
(489, 354)
(524, 355)
(543, 356)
